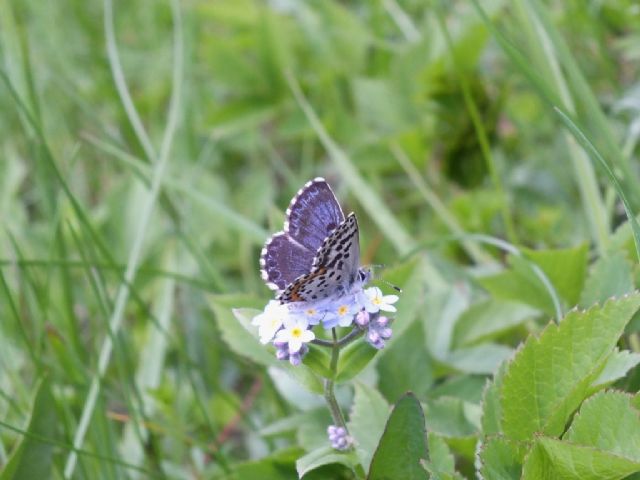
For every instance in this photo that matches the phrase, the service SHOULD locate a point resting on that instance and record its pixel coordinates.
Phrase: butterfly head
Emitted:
(365, 274)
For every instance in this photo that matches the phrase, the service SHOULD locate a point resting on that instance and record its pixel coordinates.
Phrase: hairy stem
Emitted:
(329, 394)
(343, 342)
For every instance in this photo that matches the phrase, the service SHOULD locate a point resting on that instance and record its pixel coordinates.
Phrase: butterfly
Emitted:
(317, 255)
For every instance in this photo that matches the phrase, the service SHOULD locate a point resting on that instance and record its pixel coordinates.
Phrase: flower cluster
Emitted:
(339, 437)
(289, 326)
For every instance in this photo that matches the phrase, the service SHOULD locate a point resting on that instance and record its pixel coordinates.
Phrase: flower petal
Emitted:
(307, 336)
(295, 344)
(283, 336)
(390, 298)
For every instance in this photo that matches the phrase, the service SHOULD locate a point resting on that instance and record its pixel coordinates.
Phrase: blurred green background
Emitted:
(149, 148)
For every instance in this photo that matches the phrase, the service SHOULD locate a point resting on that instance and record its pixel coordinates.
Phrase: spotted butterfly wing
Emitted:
(314, 212)
(335, 267)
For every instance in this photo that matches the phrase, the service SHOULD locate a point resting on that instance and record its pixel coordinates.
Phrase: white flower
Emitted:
(373, 300)
(295, 333)
(271, 320)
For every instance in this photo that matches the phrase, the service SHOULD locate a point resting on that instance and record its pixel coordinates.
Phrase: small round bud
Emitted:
(362, 318)
(295, 359)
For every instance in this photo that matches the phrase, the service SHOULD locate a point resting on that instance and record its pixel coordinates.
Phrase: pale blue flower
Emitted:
(341, 311)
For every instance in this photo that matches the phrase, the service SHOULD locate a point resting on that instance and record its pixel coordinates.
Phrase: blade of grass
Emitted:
(402, 20)
(198, 391)
(592, 202)
(153, 272)
(133, 398)
(79, 451)
(593, 111)
(147, 209)
(18, 320)
(151, 360)
(477, 254)
(595, 154)
(593, 205)
(481, 133)
(232, 218)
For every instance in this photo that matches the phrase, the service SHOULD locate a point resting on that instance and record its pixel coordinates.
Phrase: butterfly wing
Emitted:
(283, 260)
(335, 267)
(314, 212)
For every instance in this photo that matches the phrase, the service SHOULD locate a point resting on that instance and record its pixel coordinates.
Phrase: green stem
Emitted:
(329, 395)
(343, 342)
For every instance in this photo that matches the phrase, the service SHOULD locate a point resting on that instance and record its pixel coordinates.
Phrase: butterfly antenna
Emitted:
(395, 287)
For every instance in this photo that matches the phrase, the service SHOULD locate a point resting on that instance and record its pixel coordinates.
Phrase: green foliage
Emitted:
(531, 401)
(367, 421)
(538, 397)
(149, 149)
(34, 454)
(403, 446)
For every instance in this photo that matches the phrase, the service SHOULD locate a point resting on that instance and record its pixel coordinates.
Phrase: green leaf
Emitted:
(274, 467)
(566, 269)
(318, 361)
(488, 319)
(301, 374)
(452, 417)
(353, 359)
(491, 408)
(519, 284)
(550, 376)
(501, 458)
(411, 276)
(483, 358)
(609, 422)
(443, 310)
(552, 459)
(283, 425)
(610, 276)
(405, 364)
(312, 430)
(323, 456)
(237, 331)
(617, 366)
(465, 387)
(242, 337)
(441, 460)
(367, 420)
(403, 445)
(33, 458)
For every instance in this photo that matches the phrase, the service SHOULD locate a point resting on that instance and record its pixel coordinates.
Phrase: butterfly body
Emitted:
(316, 258)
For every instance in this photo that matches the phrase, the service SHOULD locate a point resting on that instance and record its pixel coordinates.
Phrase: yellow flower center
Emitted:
(342, 310)
(311, 311)
(377, 300)
(296, 332)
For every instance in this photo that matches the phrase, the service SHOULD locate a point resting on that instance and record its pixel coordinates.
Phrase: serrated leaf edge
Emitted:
(551, 324)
